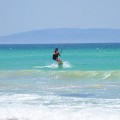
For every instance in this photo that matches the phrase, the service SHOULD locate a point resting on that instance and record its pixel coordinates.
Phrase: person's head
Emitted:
(56, 49)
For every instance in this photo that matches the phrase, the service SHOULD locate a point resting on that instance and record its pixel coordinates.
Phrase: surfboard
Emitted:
(60, 64)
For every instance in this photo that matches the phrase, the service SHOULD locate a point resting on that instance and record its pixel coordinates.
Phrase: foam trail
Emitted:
(47, 66)
(66, 64)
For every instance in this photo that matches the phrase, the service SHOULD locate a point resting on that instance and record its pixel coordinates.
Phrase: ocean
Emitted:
(33, 87)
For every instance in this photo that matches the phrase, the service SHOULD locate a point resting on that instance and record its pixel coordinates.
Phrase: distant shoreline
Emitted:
(63, 36)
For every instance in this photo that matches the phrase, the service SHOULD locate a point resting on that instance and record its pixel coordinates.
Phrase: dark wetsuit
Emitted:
(55, 56)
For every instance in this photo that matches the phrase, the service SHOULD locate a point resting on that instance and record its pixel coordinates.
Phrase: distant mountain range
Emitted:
(63, 35)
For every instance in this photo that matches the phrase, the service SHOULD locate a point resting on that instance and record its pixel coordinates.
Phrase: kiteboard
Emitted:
(60, 64)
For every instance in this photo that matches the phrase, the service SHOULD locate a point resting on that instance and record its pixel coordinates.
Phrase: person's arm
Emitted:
(55, 53)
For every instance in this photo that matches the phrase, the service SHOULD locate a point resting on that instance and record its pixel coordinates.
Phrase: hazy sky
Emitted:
(26, 15)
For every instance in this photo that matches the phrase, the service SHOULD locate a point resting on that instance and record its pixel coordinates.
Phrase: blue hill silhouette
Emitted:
(63, 35)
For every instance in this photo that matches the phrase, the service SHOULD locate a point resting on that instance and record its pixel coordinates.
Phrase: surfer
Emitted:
(55, 55)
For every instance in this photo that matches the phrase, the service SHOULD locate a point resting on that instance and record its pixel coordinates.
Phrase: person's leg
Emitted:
(59, 60)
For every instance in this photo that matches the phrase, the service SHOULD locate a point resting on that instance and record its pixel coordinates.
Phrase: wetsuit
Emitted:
(55, 55)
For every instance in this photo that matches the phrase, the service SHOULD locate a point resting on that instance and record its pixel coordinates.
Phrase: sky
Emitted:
(27, 15)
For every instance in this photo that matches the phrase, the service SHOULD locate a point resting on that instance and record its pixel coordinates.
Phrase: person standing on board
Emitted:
(55, 55)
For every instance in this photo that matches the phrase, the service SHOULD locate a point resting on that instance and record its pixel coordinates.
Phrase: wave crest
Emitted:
(62, 74)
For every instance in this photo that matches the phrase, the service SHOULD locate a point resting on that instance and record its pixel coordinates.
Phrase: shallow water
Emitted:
(33, 87)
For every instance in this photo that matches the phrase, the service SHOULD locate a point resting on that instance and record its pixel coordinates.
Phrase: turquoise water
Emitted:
(33, 87)
(79, 56)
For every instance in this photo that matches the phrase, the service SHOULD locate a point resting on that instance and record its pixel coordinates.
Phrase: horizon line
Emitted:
(60, 43)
